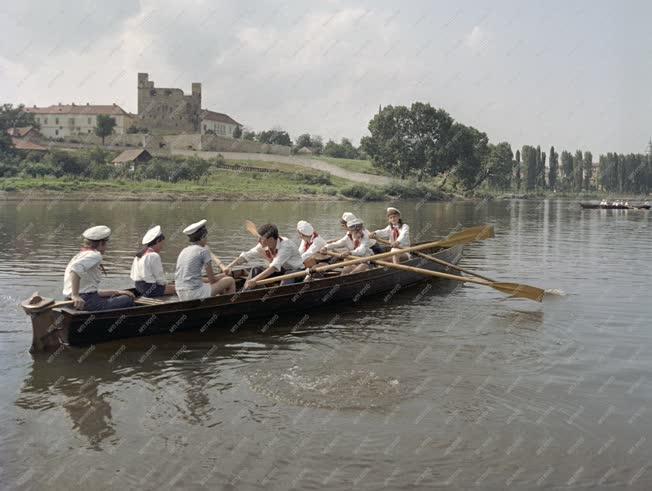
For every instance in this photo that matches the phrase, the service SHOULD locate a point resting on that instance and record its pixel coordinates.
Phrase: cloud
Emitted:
(477, 38)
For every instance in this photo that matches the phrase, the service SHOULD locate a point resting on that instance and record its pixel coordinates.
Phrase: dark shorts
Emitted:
(379, 248)
(93, 301)
(150, 289)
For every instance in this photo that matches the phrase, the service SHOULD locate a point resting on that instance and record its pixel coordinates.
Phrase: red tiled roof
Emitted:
(219, 117)
(19, 132)
(112, 110)
(26, 145)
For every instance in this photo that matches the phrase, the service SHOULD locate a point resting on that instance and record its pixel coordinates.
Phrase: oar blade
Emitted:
(519, 290)
(251, 228)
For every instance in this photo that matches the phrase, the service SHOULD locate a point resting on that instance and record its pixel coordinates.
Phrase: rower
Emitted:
(147, 268)
(81, 280)
(279, 253)
(311, 241)
(192, 260)
(397, 232)
(357, 243)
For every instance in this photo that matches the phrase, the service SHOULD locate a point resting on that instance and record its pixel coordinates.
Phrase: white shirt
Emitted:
(86, 263)
(403, 234)
(318, 243)
(148, 268)
(287, 255)
(362, 249)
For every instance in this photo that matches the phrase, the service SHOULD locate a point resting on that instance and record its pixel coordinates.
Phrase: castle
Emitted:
(164, 110)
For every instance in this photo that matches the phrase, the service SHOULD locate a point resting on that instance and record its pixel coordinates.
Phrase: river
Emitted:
(452, 387)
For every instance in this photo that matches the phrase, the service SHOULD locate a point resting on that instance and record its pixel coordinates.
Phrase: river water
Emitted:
(452, 386)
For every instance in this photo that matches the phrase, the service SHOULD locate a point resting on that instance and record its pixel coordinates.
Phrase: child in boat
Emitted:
(192, 260)
(357, 243)
(346, 216)
(279, 253)
(311, 241)
(81, 280)
(147, 268)
(397, 233)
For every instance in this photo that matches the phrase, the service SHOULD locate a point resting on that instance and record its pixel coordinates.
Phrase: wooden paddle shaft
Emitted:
(436, 274)
(442, 262)
(461, 237)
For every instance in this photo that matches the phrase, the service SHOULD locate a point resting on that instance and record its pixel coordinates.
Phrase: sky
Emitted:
(573, 74)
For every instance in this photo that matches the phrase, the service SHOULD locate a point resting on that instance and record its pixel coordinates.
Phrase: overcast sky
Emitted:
(570, 74)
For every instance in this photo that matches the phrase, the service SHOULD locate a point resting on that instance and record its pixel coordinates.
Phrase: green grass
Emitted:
(364, 166)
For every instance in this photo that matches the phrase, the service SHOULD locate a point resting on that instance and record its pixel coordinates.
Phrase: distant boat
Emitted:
(598, 206)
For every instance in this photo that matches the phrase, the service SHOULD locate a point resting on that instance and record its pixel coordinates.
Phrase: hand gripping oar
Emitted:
(512, 289)
(462, 237)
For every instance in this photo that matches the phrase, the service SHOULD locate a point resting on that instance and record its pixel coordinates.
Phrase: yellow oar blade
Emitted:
(251, 228)
(520, 290)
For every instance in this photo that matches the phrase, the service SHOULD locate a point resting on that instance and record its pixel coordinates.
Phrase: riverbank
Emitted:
(220, 186)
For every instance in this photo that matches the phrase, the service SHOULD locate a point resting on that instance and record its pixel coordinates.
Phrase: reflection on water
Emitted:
(452, 386)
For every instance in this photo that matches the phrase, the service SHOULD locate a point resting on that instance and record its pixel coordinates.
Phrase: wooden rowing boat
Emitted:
(597, 206)
(59, 326)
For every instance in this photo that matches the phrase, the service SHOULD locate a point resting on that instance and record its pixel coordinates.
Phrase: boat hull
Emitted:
(230, 313)
(593, 206)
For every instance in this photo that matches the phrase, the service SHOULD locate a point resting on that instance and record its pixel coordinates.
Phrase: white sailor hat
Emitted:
(99, 232)
(152, 234)
(191, 229)
(305, 228)
(391, 210)
(347, 215)
(353, 222)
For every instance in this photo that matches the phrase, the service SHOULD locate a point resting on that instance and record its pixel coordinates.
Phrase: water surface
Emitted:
(453, 386)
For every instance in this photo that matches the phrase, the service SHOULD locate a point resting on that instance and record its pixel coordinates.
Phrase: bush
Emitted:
(321, 179)
(362, 192)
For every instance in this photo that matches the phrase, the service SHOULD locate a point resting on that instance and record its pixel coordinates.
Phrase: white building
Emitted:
(218, 123)
(60, 120)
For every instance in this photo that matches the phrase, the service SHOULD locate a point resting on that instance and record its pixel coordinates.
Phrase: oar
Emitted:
(513, 289)
(442, 262)
(251, 228)
(458, 238)
(216, 260)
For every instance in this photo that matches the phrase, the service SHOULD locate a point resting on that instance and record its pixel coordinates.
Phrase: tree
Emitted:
(237, 132)
(249, 135)
(303, 141)
(105, 126)
(517, 170)
(567, 170)
(342, 150)
(417, 141)
(553, 169)
(578, 164)
(529, 156)
(471, 151)
(499, 166)
(275, 137)
(588, 170)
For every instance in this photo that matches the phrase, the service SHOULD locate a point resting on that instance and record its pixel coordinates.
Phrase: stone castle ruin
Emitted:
(168, 110)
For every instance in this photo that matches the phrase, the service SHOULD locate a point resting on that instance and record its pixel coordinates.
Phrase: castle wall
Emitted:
(168, 110)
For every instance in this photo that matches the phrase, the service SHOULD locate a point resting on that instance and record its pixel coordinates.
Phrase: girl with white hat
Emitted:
(147, 268)
(81, 280)
(311, 241)
(192, 261)
(356, 242)
(397, 233)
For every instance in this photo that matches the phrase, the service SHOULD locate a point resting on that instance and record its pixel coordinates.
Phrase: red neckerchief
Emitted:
(310, 241)
(86, 249)
(271, 255)
(356, 242)
(395, 232)
(148, 251)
